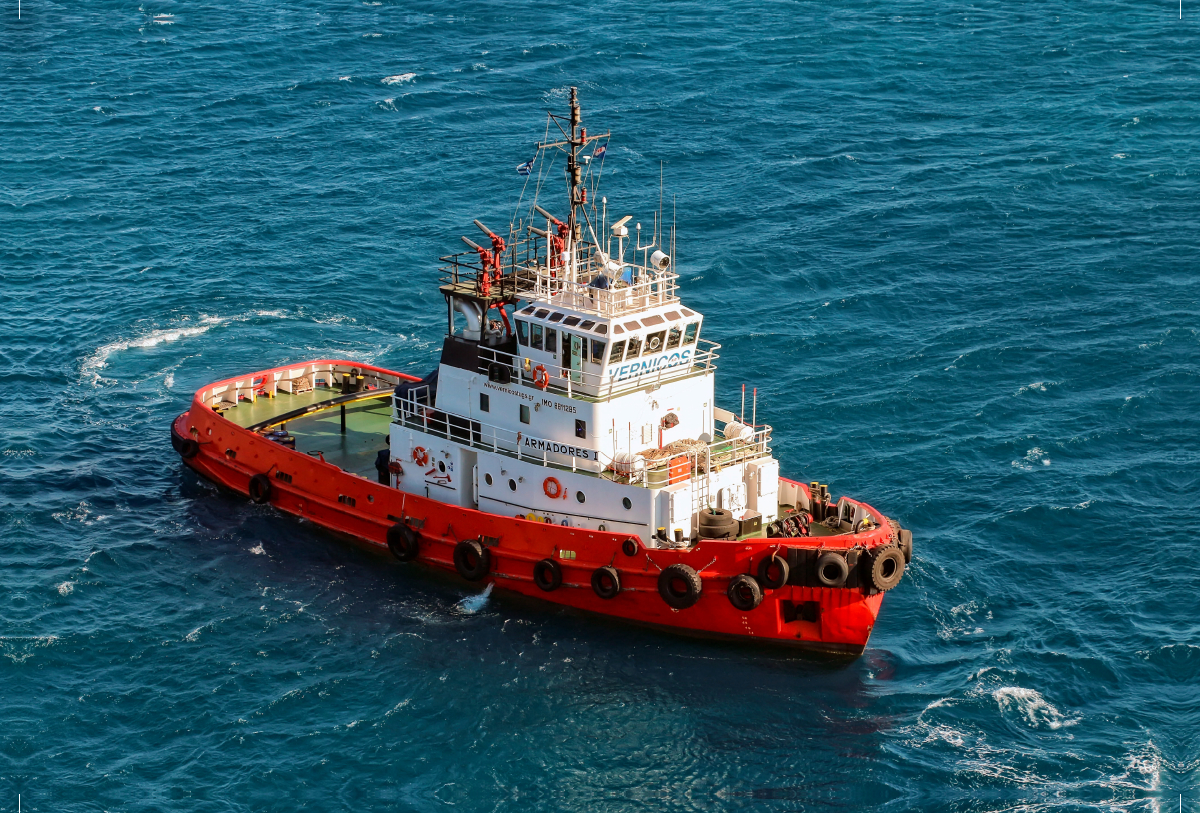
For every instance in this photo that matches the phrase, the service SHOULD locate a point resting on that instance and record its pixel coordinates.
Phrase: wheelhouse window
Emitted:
(635, 347)
(556, 317)
(598, 351)
(535, 336)
(523, 332)
(673, 337)
(542, 314)
(571, 321)
(689, 333)
(654, 342)
(618, 353)
(552, 341)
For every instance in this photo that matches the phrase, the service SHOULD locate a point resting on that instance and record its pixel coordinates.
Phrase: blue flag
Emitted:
(599, 153)
(525, 168)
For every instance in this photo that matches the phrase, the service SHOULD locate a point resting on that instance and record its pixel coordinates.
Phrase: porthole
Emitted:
(579, 496)
(512, 485)
(487, 478)
(441, 467)
(628, 503)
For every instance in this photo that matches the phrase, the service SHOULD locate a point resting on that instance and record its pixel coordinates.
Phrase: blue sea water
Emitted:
(953, 245)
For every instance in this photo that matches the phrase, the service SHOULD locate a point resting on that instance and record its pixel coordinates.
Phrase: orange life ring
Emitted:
(552, 487)
(541, 378)
(420, 456)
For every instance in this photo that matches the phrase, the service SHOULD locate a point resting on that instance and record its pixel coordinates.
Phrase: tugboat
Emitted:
(568, 446)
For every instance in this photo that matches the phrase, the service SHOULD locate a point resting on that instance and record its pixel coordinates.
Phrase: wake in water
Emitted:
(473, 604)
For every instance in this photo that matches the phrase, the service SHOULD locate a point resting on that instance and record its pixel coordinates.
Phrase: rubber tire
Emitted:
(188, 448)
(842, 570)
(744, 592)
(887, 567)
(764, 572)
(728, 531)
(906, 544)
(606, 582)
(715, 516)
(692, 586)
(404, 542)
(472, 560)
(547, 575)
(260, 488)
(629, 547)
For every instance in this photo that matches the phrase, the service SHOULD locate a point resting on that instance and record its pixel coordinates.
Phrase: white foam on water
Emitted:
(98, 359)
(1033, 456)
(398, 78)
(473, 604)
(169, 381)
(20, 648)
(257, 550)
(1034, 708)
(343, 78)
(1036, 386)
(65, 588)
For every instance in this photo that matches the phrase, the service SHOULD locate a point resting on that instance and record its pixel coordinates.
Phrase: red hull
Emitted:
(350, 504)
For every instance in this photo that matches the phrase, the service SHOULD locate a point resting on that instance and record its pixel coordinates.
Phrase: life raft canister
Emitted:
(541, 378)
(420, 456)
(553, 488)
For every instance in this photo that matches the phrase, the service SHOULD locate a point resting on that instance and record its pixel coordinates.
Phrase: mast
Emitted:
(574, 175)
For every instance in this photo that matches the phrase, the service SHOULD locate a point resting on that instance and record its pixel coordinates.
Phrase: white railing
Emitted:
(649, 289)
(601, 386)
(413, 411)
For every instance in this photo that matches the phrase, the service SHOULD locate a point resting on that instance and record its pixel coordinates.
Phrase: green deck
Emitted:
(367, 426)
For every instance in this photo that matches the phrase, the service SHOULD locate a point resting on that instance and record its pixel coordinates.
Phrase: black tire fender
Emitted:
(716, 516)
(832, 570)
(906, 544)
(188, 448)
(773, 564)
(887, 567)
(629, 547)
(547, 574)
(606, 582)
(472, 560)
(679, 586)
(403, 541)
(744, 592)
(260, 488)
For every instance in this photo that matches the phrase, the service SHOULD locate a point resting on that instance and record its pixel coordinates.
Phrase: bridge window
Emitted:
(571, 321)
(557, 317)
(523, 332)
(484, 402)
(542, 313)
(535, 336)
(587, 324)
(524, 413)
(598, 351)
(689, 334)
(654, 342)
(673, 338)
(552, 341)
(618, 353)
(635, 347)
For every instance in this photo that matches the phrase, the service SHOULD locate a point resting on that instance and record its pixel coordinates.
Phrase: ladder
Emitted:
(700, 495)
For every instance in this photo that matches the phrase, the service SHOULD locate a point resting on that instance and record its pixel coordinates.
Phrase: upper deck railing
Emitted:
(578, 281)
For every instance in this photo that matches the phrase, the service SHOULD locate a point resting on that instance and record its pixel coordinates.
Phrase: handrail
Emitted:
(318, 407)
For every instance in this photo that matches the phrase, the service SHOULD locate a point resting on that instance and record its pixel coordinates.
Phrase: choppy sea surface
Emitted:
(953, 245)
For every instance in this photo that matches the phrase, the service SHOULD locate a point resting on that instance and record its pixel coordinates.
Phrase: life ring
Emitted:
(260, 488)
(541, 378)
(552, 487)
(606, 582)
(403, 541)
(420, 456)
(679, 586)
(773, 571)
(744, 592)
(472, 560)
(547, 574)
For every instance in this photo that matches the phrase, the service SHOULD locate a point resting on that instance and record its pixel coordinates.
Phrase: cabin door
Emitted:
(576, 359)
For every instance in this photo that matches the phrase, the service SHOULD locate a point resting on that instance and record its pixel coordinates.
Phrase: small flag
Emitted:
(599, 153)
(525, 168)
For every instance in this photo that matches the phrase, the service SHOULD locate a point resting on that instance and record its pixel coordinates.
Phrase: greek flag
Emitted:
(525, 168)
